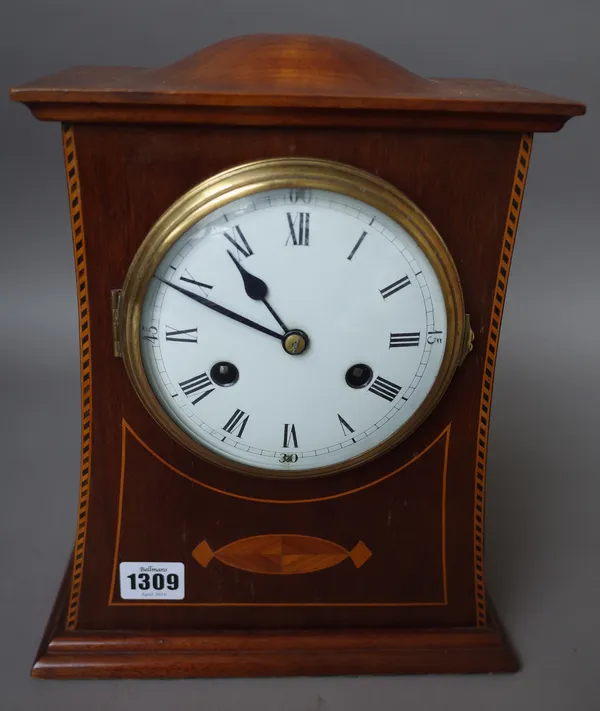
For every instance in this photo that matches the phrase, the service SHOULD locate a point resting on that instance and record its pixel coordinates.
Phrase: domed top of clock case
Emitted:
(290, 80)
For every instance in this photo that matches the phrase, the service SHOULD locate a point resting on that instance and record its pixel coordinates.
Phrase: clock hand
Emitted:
(222, 309)
(257, 290)
(255, 287)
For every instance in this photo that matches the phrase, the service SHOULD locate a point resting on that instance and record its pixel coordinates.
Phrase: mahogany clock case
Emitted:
(350, 573)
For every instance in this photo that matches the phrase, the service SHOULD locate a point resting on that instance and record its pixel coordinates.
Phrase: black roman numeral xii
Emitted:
(299, 229)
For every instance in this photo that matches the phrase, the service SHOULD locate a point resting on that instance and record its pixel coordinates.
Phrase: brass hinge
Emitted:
(467, 344)
(115, 303)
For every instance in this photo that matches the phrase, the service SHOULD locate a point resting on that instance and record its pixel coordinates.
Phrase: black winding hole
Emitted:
(359, 375)
(224, 374)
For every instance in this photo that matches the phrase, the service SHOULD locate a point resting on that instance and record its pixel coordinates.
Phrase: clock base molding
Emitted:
(252, 653)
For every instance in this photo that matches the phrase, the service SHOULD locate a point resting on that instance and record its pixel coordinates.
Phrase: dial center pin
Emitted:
(295, 342)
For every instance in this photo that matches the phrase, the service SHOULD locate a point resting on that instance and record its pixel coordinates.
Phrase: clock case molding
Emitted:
(378, 569)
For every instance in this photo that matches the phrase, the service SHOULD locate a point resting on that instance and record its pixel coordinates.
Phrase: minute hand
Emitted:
(223, 310)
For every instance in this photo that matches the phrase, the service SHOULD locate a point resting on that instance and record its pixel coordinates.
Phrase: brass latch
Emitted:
(115, 303)
(467, 344)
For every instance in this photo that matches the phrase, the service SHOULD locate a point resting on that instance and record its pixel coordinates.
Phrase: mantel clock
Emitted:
(291, 258)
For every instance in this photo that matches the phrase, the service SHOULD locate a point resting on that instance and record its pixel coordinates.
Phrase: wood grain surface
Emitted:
(294, 80)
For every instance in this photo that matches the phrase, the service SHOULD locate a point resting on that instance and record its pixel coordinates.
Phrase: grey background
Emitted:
(542, 520)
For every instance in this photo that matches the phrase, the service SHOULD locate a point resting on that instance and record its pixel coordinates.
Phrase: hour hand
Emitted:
(256, 290)
(255, 287)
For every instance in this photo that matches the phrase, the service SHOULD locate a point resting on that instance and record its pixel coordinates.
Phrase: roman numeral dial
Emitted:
(295, 328)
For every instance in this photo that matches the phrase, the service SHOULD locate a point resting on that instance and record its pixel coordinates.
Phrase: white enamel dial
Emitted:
(343, 274)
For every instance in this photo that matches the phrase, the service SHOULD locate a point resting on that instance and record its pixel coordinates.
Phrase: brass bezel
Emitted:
(271, 174)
